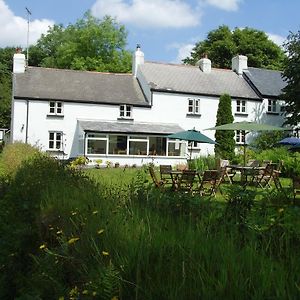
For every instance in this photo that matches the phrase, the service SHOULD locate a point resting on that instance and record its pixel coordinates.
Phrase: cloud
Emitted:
(14, 28)
(183, 51)
(277, 39)
(151, 14)
(229, 5)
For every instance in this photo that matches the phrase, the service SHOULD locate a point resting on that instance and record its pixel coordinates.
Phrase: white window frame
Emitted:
(240, 136)
(125, 111)
(56, 108)
(102, 137)
(194, 106)
(178, 144)
(55, 140)
(241, 106)
(272, 106)
(140, 139)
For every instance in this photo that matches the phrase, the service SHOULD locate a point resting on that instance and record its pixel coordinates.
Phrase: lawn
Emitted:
(108, 234)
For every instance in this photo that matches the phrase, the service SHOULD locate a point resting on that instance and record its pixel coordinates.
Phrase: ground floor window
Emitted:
(240, 136)
(55, 140)
(120, 144)
(96, 143)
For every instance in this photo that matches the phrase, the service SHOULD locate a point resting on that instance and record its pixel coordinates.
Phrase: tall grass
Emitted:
(114, 236)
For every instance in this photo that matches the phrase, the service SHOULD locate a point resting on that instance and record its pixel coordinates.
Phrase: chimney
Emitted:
(19, 62)
(138, 59)
(204, 64)
(239, 63)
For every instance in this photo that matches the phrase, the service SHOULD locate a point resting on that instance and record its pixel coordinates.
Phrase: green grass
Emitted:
(107, 233)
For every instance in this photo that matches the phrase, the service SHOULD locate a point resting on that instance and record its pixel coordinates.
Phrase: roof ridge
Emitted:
(78, 71)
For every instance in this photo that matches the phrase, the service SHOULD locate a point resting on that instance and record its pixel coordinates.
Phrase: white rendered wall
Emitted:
(167, 108)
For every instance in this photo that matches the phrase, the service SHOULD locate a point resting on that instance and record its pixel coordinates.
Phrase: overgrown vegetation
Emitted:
(110, 235)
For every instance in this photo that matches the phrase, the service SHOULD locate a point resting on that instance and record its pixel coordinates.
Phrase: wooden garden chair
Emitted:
(157, 183)
(186, 180)
(165, 174)
(211, 180)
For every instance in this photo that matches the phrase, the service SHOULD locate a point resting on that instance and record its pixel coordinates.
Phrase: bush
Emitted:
(14, 154)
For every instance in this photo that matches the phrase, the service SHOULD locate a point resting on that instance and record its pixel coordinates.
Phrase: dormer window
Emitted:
(125, 111)
(194, 106)
(56, 108)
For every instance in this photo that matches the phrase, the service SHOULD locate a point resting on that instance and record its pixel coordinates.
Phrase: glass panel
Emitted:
(117, 144)
(96, 146)
(128, 111)
(157, 146)
(51, 144)
(51, 135)
(58, 136)
(137, 148)
(176, 149)
(58, 144)
(59, 110)
(59, 104)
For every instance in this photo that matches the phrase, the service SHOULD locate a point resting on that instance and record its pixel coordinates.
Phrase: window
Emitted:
(272, 107)
(194, 106)
(157, 146)
(176, 148)
(55, 141)
(240, 136)
(96, 143)
(241, 106)
(55, 108)
(125, 111)
(117, 144)
(138, 145)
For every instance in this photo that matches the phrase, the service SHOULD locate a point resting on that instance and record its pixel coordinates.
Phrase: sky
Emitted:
(167, 30)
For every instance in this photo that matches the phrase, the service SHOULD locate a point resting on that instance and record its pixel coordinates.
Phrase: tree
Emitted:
(6, 59)
(291, 73)
(90, 44)
(224, 138)
(222, 44)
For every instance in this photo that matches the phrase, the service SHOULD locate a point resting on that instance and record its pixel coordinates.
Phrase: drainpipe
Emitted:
(27, 116)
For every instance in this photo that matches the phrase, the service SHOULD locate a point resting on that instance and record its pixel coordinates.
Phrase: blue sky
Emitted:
(166, 29)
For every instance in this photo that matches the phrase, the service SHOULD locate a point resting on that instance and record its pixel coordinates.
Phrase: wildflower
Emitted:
(73, 213)
(94, 294)
(85, 292)
(59, 232)
(105, 253)
(280, 210)
(73, 240)
(43, 246)
(61, 298)
(114, 298)
(95, 212)
(100, 231)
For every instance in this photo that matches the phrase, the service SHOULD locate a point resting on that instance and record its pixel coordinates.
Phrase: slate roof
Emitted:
(190, 79)
(269, 83)
(129, 127)
(79, 86)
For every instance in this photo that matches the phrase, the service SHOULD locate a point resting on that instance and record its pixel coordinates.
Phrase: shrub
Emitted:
(14, 154)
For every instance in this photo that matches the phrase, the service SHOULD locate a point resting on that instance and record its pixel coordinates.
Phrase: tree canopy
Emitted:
(291, 72)
(89, 44)
(6, 55)
(222, 44)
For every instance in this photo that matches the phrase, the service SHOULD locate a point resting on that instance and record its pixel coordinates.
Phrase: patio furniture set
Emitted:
(208, 181)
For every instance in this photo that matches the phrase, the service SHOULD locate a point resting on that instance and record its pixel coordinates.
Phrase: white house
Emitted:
(125, 117)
